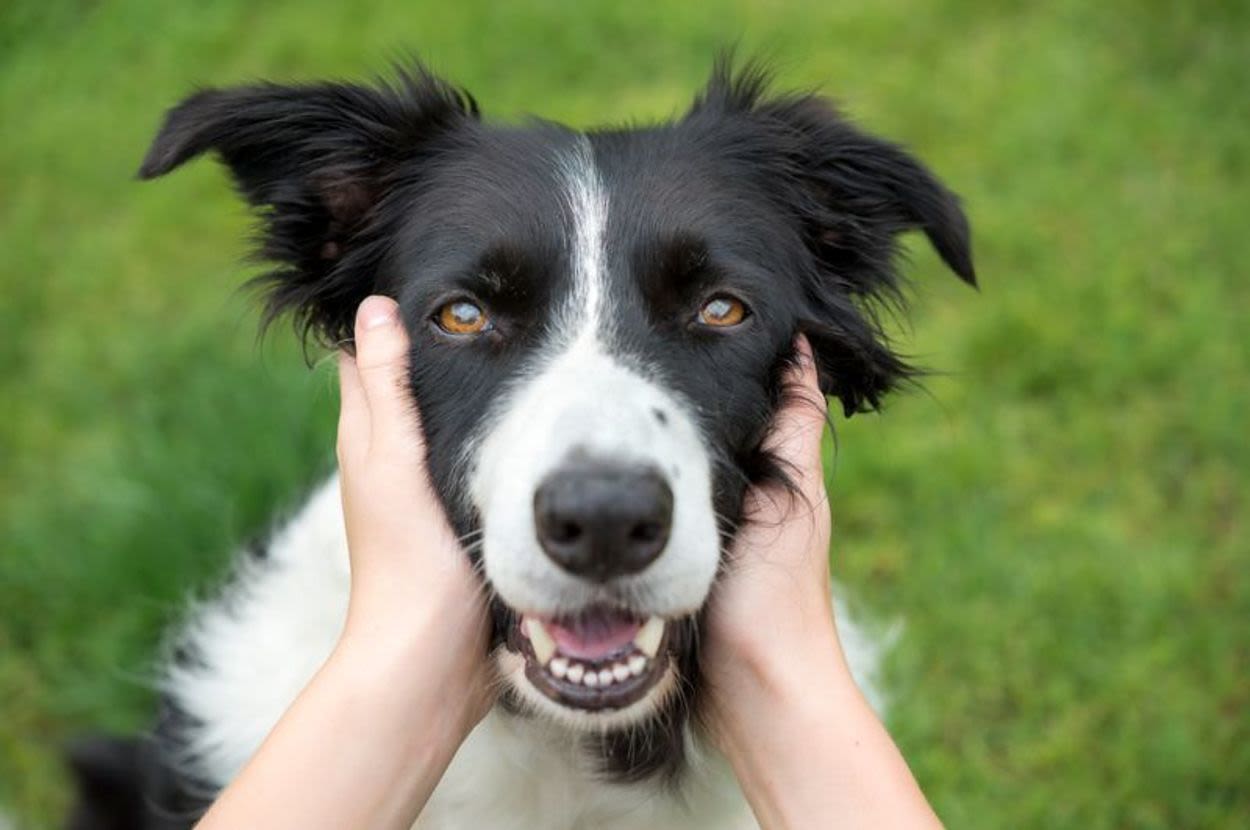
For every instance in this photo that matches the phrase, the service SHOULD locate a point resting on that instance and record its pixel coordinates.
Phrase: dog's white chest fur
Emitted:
(515, 773)
(262, 640)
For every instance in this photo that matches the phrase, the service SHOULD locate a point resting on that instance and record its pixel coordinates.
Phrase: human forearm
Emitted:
(809, 751)
(363, 746)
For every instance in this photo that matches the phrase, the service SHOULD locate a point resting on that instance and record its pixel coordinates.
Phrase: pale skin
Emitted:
(366, 742)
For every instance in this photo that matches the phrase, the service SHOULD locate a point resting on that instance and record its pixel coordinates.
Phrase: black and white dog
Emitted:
(599, 321)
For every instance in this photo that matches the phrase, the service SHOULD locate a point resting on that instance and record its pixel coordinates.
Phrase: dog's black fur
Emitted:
(401, 189)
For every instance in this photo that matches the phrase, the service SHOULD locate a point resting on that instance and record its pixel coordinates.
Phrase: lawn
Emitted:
(1060, 520)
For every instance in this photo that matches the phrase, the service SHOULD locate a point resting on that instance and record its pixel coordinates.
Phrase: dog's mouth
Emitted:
(601, 658)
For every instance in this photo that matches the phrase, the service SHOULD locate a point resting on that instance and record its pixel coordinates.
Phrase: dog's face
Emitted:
(599, 322)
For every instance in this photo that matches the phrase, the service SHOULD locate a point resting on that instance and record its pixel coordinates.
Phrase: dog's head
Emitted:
(599, 322)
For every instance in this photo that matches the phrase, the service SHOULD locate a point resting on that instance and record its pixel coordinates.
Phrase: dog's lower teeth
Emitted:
(561, 667)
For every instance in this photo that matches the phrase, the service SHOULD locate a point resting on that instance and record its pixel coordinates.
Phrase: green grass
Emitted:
(1061, 521)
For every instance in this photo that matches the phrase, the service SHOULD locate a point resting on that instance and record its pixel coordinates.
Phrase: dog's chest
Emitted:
(515, 774)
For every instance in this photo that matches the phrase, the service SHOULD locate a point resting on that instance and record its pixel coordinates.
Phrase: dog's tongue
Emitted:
(593, 636)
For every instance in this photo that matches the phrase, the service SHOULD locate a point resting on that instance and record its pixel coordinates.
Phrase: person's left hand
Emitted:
(409, 677)
(410, 576)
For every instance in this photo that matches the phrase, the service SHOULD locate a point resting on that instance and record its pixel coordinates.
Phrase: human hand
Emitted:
(782, 706)
(409, 677)
(411, 579)
(771, 616)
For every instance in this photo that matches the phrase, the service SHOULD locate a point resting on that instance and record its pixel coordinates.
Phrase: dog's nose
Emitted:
(600, 520)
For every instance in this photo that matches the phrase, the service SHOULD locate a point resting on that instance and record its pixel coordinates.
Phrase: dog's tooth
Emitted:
(636, 664)
(648, 637)
(559, 667)
(605, 677)
(544, 646)
(575, 672)
(591, 679)
(620, 671)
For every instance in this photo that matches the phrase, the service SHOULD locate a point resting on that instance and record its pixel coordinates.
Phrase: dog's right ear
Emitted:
(315, 160)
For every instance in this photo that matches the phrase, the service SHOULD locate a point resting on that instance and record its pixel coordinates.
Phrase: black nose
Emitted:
(601, 520)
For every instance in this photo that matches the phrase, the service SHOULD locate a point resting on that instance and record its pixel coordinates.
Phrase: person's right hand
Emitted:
(781, 704)
(774, 602)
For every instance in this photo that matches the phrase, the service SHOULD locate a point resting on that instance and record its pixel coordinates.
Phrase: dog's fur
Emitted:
(594, 253)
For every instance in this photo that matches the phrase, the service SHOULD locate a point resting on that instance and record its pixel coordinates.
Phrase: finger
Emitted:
(382, 365)
(353, 434)
(799, 425)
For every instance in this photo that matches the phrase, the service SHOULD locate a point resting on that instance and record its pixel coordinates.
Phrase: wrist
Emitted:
(398, 659)
(801, 738)
(767, 678)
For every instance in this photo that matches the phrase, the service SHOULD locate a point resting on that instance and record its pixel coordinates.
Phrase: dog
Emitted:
(599, 322)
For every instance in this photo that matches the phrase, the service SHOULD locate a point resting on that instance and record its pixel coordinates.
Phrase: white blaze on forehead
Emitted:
(588, 206)
(578, 396)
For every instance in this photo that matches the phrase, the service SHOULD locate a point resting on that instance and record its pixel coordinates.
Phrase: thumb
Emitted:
(382, 366)
(800, 422)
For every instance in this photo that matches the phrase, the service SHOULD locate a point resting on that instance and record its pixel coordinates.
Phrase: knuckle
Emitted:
(378, 362)
(381, 348)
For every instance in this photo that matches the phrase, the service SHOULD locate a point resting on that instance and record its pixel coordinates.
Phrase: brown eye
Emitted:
(722, 312)
(462, 317)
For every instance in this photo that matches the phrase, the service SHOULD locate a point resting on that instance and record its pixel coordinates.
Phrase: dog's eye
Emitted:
(462, 317)
(723, 311)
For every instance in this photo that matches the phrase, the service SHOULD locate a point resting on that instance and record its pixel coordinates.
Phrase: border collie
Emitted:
(599, 323)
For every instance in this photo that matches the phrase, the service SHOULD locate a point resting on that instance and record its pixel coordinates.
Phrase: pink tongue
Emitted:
(592, 637)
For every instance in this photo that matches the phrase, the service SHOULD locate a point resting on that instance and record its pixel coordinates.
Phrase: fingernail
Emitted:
(803, 350)
(376, 311)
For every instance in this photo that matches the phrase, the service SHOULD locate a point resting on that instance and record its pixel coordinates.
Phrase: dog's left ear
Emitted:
(851, 195)
(315, 160)
(859, 194)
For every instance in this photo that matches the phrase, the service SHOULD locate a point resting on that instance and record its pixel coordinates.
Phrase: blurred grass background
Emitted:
(1061, 521)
